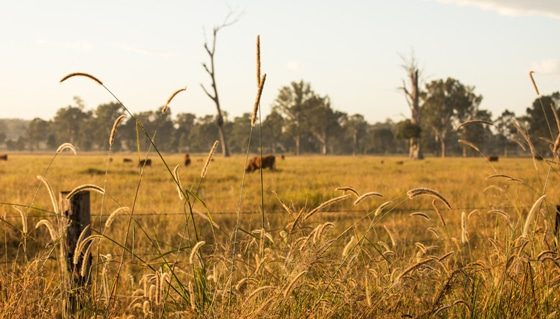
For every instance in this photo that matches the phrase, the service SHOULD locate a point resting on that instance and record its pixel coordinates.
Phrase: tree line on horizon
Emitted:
(303, 122)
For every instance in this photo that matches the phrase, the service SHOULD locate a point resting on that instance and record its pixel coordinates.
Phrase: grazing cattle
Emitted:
(493, 158)
(127, 160)
(145, 162)
(282, 157)
(255, 163)
(538, 157)
(399, 162)
(187, 159)
(4, 157)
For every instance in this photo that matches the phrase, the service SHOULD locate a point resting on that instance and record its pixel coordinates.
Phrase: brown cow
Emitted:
(145, 162)
(255, 163)
(187, 159)
(4, 157)
(493, 158)
(127, 160)
(538, 157)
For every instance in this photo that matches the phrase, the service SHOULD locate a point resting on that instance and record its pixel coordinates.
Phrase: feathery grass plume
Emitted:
(322, 228)
(208, 159)
(85, 187)
(51, 194)
(426, 191)
(471, 122)
(66, 146)
(326, 204)
(411, 268)
(87, 75)
(52, 232)
(556, 145)
(436, 209)
(79, 242)
(368, 292)
(531, 216)
(114, 214)
(256, 291)
(178, 185)
(116, 124)
(534, 82)
(489, 187)
(464, 238)
(288, 289)
(393, 242)
(527, 138)
(166, 107)
(364, 196)
(79, 248)
(513, 179)
(423, 215)
(85, 263)
(258, 61)
(465, 142)
(379, 209)
(257, 101)
(347, 189)
(23, 219)
(349, 246)
(195, 250)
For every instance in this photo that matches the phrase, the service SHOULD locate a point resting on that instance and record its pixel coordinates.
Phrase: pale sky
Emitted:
(349, 50)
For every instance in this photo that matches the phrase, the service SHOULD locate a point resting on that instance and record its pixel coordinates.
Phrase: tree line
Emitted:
(303, 121)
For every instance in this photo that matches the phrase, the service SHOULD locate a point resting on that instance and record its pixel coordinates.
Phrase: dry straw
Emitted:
(513, 179)
(52, 232)
(326, 204)
(178, 185)
(208, 159)
(114, 214)
(430, 192)
(23, 219)
(84, 188)
(195, 250)
(464, 238)
(87, 75)
(531, 216)
(366, 195)
(258, 61)
(166, 107)
(290, 287)
(257, 101)
(465, 142)
(381, 207)
(51, 194)
(534, 82)
(116, 124)
(348, 189)
(66, 146)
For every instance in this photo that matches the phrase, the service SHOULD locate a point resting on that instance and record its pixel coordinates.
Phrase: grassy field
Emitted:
(389, 256)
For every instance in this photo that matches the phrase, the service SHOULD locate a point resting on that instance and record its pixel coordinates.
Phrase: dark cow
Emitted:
(127, 160)
(187, 159)
(538, 157)
(4, 157)
(493, 158)
(145, 162)
(255, 163)
(282, 157)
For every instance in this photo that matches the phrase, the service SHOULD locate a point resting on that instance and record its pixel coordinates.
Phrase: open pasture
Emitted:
(395, 255)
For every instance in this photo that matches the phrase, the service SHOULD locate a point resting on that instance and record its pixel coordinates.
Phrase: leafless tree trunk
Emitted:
(211, 51)
(412, 94)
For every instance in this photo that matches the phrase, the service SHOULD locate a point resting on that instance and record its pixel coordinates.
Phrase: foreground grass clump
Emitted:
(468, 240)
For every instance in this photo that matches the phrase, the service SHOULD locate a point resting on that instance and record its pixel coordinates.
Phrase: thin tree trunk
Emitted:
(442, 145)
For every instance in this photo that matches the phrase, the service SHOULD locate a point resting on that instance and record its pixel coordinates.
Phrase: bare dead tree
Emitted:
(211, 70)
(412, 94)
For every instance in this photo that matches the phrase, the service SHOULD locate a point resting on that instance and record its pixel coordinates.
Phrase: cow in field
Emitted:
(255, 163)
(4, 157)
(538, 157)
(493, 158)
(127, 160)
(187, 159)
(145, 162)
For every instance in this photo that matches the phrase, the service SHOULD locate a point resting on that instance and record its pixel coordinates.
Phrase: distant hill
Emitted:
(13, 128)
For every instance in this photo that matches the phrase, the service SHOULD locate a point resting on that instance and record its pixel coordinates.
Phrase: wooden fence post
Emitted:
(557, 221)
(76, 210)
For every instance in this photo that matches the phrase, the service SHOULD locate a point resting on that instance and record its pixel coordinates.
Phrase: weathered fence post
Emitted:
(557, 221)
(76, 210)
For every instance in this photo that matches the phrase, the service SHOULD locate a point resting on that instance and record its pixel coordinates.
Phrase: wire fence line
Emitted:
(277, 212)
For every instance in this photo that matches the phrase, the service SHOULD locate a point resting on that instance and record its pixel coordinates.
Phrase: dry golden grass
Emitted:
(319, 255)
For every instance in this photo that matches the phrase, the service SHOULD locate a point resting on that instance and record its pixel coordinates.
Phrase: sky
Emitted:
(349, 50)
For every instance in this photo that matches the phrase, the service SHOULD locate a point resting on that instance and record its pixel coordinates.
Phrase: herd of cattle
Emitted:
(255, 163)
